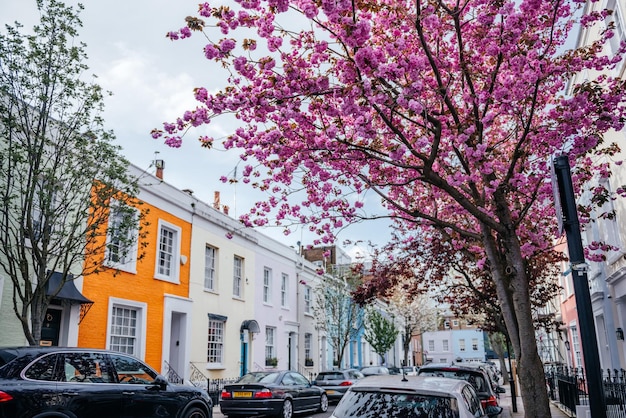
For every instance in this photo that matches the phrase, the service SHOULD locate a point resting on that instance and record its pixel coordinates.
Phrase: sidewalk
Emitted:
(506, 402)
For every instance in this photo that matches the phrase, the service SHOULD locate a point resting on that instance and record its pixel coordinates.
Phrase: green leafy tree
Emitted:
(60, 171)
(380, 332)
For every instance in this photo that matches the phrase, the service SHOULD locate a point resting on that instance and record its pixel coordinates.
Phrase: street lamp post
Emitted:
(571, 226)
(511, 381)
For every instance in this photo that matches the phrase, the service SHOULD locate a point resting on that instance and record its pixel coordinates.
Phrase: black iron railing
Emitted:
(568, 387)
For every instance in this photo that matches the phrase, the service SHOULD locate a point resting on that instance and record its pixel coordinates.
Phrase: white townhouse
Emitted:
(313, 353)
(438, 346)
(276, 307)
(225, 333)
(607, 279)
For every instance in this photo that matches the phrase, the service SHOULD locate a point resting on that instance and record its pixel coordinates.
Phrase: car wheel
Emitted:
(323, 403)
(195, 413)
(287, 411)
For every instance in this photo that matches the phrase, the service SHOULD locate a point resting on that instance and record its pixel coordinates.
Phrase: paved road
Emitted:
(331, 408)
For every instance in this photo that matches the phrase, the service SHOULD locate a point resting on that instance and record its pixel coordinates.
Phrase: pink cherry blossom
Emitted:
(447, 112)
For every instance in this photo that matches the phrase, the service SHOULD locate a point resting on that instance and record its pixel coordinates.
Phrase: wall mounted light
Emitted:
(567, 345)
(620, 334)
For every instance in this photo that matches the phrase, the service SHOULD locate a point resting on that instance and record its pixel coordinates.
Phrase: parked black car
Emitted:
(337, 382)
(275, 393)
(472, 374)
(89, 383)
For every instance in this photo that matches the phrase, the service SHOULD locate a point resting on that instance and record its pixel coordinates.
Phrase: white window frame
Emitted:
(174, 262)
(37, 214)
(445, 345)
(270, 342)
(127, 263)
(267, 285)
(284, 290)
(308, 338)
(462, 344)
(141, 324)
(620, 30)
(431, 345)
(210, 268)
(219, 328)
(307, 299)
(475, 344)
(609, 227)
(575, 344)
(238, 266)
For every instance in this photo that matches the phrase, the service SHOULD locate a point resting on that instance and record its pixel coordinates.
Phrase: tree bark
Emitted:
(511, 281)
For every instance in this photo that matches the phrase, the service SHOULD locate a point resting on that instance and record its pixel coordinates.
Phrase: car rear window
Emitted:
(258, 378)
(330, 376)
(379, 404)
(475, 378)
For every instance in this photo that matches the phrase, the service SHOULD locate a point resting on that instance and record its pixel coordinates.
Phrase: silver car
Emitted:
(393, 396)
(337, 382)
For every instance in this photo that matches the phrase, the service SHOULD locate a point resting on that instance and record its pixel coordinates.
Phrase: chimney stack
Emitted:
(160, 165)
(216, 200)
(226, 209)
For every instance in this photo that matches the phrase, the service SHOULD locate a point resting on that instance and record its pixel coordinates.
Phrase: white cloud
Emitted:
(152, 80)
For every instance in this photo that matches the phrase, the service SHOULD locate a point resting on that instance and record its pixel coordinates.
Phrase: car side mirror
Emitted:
(160, 381)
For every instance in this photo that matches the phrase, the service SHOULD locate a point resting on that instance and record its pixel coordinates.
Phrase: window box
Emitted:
(308, 362)
(271, 362)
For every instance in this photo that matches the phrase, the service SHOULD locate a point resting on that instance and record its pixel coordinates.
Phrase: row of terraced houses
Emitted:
(209, 298)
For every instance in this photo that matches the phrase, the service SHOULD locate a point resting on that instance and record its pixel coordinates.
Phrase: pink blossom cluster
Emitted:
(448, 111)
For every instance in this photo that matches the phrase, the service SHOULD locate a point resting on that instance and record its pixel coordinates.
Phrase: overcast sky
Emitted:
(152, 80)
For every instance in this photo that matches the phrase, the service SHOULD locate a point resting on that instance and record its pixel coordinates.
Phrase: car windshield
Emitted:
(375, 404)
(258, 378)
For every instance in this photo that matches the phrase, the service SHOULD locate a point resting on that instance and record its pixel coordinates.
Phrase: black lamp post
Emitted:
(511, 381)
(571, 226)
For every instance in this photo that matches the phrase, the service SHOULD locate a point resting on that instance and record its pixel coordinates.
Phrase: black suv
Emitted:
(75, 382)
(475, 375)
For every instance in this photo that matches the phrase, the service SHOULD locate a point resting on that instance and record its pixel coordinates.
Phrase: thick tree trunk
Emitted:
(509, 275)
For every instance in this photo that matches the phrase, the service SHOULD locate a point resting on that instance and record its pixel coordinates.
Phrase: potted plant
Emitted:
(308, 362)
(271, 362)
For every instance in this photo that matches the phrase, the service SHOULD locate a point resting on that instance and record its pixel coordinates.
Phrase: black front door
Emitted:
(51, 327)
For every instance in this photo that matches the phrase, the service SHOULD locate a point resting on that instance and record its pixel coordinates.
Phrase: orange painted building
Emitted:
(141, 298)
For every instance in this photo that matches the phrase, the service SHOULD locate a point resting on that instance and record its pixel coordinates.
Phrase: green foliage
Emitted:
(380, 332)
(59, 169)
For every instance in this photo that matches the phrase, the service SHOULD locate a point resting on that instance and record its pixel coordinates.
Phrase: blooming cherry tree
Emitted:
(447, 109)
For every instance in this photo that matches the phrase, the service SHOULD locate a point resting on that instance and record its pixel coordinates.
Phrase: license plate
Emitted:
(242, 394)
(330, 392)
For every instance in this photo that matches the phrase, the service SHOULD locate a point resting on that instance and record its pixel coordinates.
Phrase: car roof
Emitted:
(7, 354)
(338, 371)
(423, 384)
(453, 366)
(50, 349)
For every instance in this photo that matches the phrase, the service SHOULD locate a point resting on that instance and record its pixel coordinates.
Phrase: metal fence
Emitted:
(568, 386)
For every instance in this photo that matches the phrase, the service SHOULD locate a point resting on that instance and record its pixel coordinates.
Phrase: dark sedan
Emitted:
(274, 393)
(474, 375)
(337, 382)
(85, 383)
